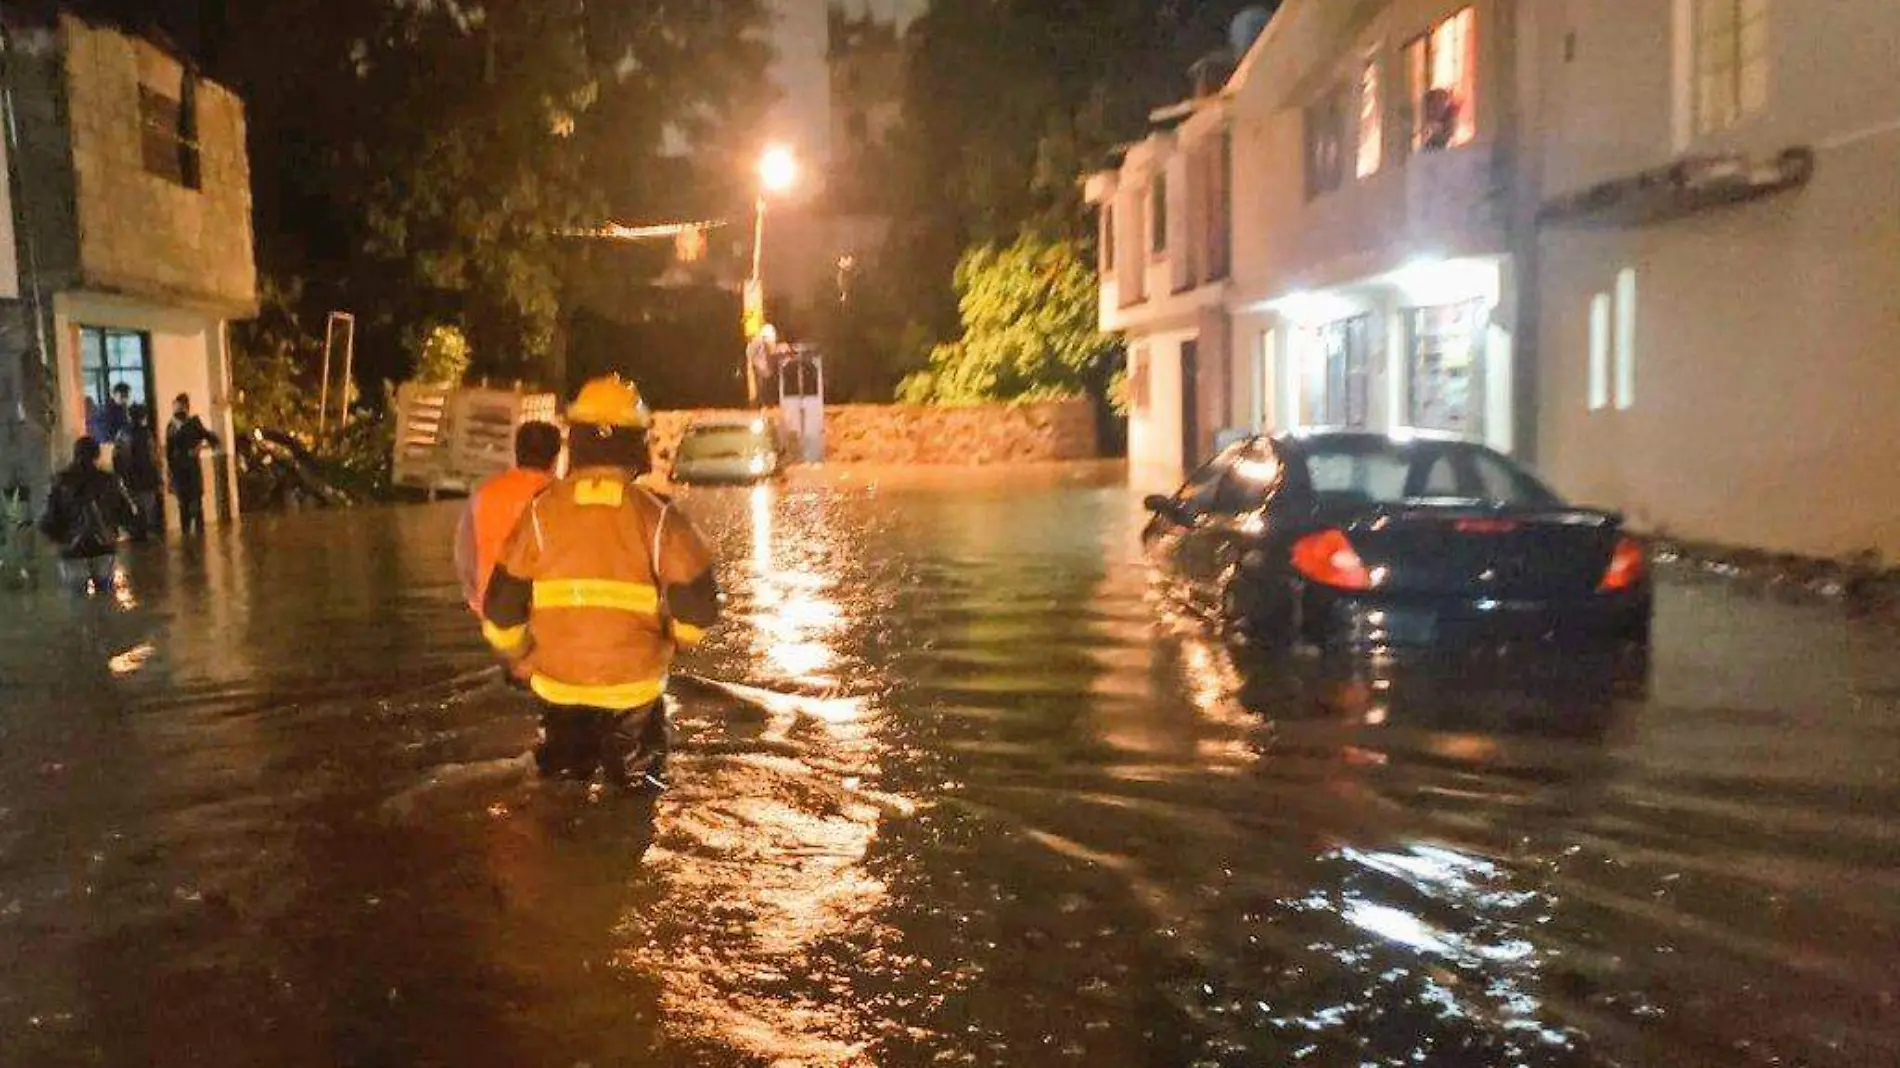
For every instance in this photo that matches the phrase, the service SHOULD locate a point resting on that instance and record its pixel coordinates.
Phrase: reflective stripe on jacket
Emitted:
(597, 586)
(493, 510)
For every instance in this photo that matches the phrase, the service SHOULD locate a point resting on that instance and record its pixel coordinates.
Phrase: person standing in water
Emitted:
(597, 588)
(496, 506)
(184, 436)
(86, 513)
(135, 461)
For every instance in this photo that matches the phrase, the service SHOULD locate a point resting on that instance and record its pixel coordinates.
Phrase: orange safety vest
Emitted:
(493, 510)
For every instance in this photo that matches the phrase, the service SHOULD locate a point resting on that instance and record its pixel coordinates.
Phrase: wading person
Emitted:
(135, 461)
(597, 587)
(184, 436)
(86, 512)
(496, 506)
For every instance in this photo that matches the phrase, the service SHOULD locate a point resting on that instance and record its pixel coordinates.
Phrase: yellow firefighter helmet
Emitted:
(610, 401)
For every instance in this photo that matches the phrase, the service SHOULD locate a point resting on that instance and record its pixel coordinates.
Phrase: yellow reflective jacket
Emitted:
(598, 585)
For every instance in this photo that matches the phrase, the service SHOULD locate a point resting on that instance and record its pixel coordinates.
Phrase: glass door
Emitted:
(110, 358)
(1446, 354)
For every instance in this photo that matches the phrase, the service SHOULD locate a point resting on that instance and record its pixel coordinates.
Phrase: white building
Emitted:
(1720, 281)
(1166, 268)
(1378, 224)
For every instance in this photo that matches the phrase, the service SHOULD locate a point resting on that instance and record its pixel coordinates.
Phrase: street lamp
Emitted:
(778, 172)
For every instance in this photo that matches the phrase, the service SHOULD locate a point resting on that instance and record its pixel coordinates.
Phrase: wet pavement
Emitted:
(954, 791)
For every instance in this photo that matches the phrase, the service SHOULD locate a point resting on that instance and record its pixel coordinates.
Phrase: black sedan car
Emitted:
(1367, 542)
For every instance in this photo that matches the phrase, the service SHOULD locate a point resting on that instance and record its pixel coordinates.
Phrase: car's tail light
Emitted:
(1628, 565)
(1329, 559)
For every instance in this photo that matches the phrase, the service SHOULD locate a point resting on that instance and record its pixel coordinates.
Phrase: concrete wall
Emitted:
(139, 232)
(1767, 357)
(916, 434)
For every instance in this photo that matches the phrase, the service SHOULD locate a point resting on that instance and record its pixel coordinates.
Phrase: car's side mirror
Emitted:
(1164, 506)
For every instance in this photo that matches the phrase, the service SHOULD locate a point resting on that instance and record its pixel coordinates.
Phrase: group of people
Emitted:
(90, 509)
(587, 585)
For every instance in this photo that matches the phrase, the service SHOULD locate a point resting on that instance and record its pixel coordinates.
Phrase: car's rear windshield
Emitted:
(1378, 471)
(721, 441)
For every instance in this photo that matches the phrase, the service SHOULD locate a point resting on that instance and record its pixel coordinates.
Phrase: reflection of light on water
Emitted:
(762, 879)
(131, 660)
(795, 625)
(1459, 885)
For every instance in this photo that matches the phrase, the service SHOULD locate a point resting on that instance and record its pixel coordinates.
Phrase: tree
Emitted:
(445, 359)
(1029, 328)
(1007, 104)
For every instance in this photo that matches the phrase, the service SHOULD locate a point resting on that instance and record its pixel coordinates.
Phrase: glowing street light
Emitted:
(778, 169)
(778, 172)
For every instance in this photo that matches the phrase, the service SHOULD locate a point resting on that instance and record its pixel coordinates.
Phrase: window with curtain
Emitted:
(1371, 121)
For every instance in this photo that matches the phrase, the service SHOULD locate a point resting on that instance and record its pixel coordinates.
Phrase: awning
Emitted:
(1680, 189)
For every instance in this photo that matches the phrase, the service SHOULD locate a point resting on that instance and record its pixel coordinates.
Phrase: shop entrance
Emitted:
(1446, 362)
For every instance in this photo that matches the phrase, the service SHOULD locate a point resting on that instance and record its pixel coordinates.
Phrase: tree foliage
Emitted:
(444, 360)
(1007, 104)
(1028, 313)
(416, 161)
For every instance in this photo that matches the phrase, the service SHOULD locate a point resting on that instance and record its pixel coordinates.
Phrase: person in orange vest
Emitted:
(595, 591)
(496, 506)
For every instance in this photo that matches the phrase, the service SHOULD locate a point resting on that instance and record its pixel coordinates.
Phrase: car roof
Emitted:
(726, 424)
(1319, 437)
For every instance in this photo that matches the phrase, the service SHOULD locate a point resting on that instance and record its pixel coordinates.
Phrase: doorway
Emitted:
(1190, 404)
(109, 358)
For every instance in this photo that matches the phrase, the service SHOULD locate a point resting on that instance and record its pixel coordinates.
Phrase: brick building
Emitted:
(130, 219)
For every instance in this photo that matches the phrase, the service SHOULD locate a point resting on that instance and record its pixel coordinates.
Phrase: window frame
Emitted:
(1369, 151)
(1422, 54)
(169, 145)
(1158, 215)
(1721, 60)
(1325, 129)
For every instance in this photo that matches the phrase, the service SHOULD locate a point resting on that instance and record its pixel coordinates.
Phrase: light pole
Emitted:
(778, 171)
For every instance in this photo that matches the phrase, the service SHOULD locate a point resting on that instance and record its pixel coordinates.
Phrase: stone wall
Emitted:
(914, 434)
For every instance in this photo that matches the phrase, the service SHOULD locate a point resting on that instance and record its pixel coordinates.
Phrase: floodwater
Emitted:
(955, 791)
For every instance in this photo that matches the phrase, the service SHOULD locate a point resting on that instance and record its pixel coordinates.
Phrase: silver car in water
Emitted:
(728, 450)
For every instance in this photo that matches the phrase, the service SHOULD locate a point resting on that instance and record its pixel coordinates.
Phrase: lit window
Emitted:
(1158, 215)
(1731, 62)
(1371, 128)
(1443, 67)
(1599, 352)
(1325, 144)
(1625, 338)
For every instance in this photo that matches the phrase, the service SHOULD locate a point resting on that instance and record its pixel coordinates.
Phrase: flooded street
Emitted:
(950, 789)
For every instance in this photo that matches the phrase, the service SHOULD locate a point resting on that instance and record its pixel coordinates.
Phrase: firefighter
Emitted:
(600, 583)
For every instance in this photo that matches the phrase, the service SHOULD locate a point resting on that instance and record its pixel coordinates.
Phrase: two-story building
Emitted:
(1372, 234)
(130, 203)
(1380, 222)
(1720, 281)
(1165, 224)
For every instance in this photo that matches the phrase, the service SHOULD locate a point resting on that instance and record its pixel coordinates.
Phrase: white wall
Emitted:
(1768, 335)
(1155, 462)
